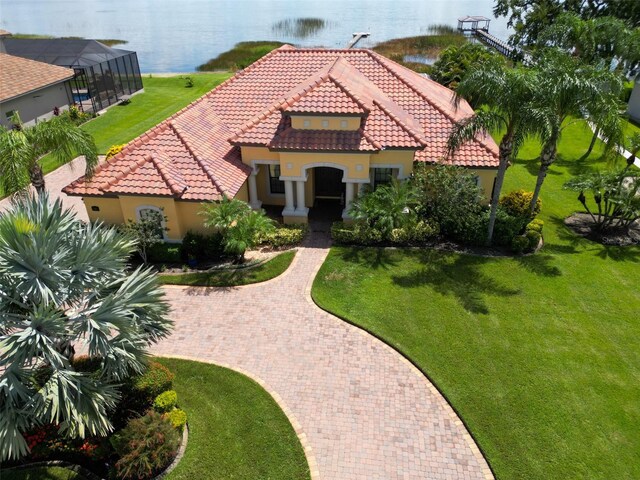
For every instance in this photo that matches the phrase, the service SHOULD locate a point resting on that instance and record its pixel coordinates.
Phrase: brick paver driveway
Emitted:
(361, 410)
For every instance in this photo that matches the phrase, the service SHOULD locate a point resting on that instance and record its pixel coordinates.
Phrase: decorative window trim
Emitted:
(275, 179)
(382, 176)
(141, 208)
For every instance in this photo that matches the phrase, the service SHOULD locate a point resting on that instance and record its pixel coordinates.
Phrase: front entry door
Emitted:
(328, 182)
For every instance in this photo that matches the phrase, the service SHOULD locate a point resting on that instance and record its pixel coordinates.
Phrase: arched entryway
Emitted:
(328, 194)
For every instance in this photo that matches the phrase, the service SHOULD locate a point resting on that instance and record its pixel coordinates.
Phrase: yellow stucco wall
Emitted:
(401, 158)
(333, 122)
(109, 212)
(292, 164)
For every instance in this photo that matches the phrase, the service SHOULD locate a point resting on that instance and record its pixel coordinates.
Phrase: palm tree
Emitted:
(240, 226)
(503, 94)
(387, 207)
(22, 148)
(64, 282)
(569, 89)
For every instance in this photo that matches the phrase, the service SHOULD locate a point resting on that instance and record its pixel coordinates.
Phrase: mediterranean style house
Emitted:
(297, 128)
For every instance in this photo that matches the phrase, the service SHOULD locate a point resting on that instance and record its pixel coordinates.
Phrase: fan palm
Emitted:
(503, 94)
(569, 89)
(64, 282)
(22, 148)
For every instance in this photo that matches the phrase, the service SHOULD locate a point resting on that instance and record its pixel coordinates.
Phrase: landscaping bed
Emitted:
(582, 224)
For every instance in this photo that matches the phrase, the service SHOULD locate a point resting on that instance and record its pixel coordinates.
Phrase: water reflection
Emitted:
(299, 27)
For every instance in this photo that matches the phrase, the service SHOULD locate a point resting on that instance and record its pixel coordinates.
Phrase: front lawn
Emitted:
(233, 277)
(539, 355)
(236, 429)
(162, 97)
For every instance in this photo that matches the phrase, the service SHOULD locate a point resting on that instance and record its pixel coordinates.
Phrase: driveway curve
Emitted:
(361, 410)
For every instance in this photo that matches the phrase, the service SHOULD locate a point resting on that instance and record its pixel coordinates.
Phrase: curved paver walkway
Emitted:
(361, 410)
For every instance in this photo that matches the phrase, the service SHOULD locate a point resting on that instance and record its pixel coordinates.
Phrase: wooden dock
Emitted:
(478, 27)
(356, 38)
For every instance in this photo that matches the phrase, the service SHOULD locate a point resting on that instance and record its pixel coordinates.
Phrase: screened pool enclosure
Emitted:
(103, 75)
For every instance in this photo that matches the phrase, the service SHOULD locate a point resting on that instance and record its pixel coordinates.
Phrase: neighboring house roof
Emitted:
(19, 76)
(398, 109)
(67, 52)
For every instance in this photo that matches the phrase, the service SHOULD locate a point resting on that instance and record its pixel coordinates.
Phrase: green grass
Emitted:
(236, 429)
(540, 355)
(162, 97)
(231, 278)
(240, 56)
(109, 42)
(42, 473)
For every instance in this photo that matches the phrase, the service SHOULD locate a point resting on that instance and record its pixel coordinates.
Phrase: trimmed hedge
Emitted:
(285, 236)
(359, 233)
(202, 247)
(165, 253)
(517, 203)
(166, 401)
(178, 418)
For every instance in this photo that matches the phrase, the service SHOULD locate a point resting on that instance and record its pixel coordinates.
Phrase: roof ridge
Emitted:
(374, 143)
(167, 176)
(347, 90)
(404, 126)
(198, 160)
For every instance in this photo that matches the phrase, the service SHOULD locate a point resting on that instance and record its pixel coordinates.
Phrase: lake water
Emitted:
(178, 35)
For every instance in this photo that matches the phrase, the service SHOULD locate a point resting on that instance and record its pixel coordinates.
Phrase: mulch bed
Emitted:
(582, 224)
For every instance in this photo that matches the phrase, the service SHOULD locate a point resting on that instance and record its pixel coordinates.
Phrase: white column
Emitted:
(253, 190)
(300, 207)
(348, 199)
(289, 208)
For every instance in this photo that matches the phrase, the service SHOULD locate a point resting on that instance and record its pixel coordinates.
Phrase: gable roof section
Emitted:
(19, 76)
(198, 146)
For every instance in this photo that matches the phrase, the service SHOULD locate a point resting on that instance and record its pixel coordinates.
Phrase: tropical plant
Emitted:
(456, 60)
(64, 281)
(615, 194)
(387, 207)
(240, 226)
(451, 196)
(22, 148)
(114, 150)
(148, 231)
(145, 446)
(568, 89)
(503, 94)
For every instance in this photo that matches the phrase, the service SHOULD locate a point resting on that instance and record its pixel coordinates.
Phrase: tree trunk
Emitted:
(547, 157)
(591, 145)
(37, 177)
(506, 147)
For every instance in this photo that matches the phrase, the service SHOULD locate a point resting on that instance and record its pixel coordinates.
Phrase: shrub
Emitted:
(417, 233)
(533, 238)
(535, 225)
(164, 253)
(355, 234)
(450, 196)
(201, 247)
(517, 203)
(87, 364)
(285, 236)
(145, 446)
(519, 244)
(154, 381)
(114, 150)
(166, 401)
(507, 226)
(178, 418)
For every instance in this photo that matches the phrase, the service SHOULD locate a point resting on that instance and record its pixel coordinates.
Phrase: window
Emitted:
(343, 124)
(154, 212)
(325, 123)
(477, 178)
(275, 184)
(382, 176)
(306, 124)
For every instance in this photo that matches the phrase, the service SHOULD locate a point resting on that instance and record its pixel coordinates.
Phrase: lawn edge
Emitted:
(312, 463)
(473, 444)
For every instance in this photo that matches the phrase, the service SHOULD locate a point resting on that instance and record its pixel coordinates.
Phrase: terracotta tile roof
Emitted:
(19, 76)
(198, 146)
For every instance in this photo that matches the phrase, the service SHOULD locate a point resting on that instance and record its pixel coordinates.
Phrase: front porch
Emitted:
(322, 186)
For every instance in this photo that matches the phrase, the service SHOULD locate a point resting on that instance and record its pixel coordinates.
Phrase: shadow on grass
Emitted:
(573, 166)
(372, 257)
(540, 264)
(455, 275)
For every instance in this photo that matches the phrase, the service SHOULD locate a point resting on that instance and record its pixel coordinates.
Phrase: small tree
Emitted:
(455, 61)
(387, 207)
(64, 281)
(147, 231)
(240, 226)
(616, 196)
